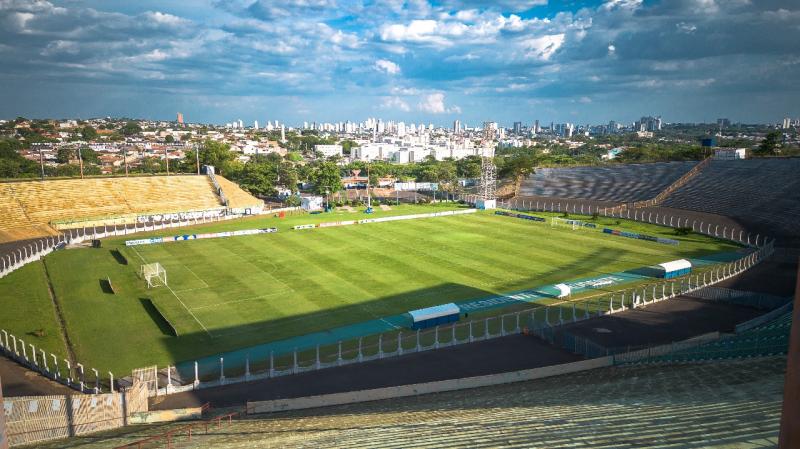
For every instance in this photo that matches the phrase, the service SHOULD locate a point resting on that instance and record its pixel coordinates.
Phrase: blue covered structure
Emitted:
(434, 316)
(674, 269)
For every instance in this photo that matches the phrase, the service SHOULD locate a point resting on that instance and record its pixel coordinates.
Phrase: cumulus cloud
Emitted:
(543, 47)
(434, 104)
(395, 103)
(348, 52)
(389, 67)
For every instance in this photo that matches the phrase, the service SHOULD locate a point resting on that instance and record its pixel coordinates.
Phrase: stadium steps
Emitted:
(28, 208)
(731, 404)
(616, 183)
(758, 191)
(768, 339)
(237, 197)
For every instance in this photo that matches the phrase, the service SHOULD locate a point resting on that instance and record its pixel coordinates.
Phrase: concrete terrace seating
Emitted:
(761, 193)
(237, 198)
(730, 404)
(27, 208)
(768, 339)
(617, 183)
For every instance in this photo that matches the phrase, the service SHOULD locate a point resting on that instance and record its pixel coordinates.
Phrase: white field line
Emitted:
(281, 292)
(178, 298)
(195, 275)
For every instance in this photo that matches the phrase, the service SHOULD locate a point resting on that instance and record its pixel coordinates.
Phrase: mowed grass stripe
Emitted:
(527, 260)
(485, 255)
(450, 268)
(563, 239)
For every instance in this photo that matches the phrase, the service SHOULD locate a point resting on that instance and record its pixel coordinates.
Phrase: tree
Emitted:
(169, 139)
(469, 167)
(326, 178)
(64, 155)
(216, 154)
(130, 128)
(347, 146)
(88, 133)
(769, 144)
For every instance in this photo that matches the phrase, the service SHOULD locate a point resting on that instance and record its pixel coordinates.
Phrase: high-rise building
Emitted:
(787, 123)
(457, 126)
(255, 125)
(536, 128)
(180, 118)
(517, 128)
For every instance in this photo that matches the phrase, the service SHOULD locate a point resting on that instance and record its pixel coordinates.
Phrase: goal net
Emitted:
(566, 223)
(154, 274)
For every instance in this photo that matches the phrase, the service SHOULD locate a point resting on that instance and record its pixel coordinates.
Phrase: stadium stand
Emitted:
(760, 193)
(616, 183)
(768, 339)
(730, 404)
(31, 207)
(237, 198)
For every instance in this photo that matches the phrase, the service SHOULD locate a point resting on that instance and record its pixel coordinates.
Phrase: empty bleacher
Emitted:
(763, 194)
(768, 339)
(28, 208)
(616, 183)
(725, 404)
(237, 198)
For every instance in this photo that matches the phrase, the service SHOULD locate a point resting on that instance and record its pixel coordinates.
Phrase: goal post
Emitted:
(566, 223)
(154, 274)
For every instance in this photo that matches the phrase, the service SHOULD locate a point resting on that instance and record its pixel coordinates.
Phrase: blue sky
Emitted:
(415, 60)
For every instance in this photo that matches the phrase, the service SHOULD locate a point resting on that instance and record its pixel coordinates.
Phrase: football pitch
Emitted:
(228, 293)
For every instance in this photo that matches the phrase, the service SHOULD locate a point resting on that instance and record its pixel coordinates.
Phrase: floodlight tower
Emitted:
(487, 190)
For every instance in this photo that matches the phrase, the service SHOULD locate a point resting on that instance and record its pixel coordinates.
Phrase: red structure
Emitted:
(790, 417)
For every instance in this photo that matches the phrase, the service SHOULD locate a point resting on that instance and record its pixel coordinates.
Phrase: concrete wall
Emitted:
(351, 397)
(158, 416)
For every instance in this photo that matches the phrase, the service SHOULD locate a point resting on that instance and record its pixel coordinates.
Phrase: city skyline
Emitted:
(413, 61)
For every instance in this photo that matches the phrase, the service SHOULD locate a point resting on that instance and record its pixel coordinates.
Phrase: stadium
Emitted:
(587, 293)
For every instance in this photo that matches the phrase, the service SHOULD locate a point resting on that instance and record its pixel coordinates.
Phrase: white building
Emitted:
(329, 150)
(730, 153)
(311, 203)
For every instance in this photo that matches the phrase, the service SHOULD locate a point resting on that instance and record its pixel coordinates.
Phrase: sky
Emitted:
(415, 60)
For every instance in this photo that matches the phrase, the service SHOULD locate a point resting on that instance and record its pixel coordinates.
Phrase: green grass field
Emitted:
(229, 293)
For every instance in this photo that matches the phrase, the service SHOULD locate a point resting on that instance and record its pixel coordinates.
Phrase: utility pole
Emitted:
(125, 158)
(369, 197)
(80, 161)
(197, 157)
(41, 162)
(166, 158)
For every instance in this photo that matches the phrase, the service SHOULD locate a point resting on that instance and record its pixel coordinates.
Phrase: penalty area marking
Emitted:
(178, 298)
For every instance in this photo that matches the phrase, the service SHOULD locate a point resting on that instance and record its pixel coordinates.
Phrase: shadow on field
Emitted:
(157, 317)
(106, 287)
(344, 323)
(119, 257)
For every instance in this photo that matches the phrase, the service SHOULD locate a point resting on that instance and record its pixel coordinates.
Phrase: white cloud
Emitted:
(165, 19)
(394, 103)
(389, 67)
(542, 48)
(434, 104)
(687, 28)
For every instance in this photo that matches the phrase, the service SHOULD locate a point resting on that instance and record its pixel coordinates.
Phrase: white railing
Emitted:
(221, 194)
